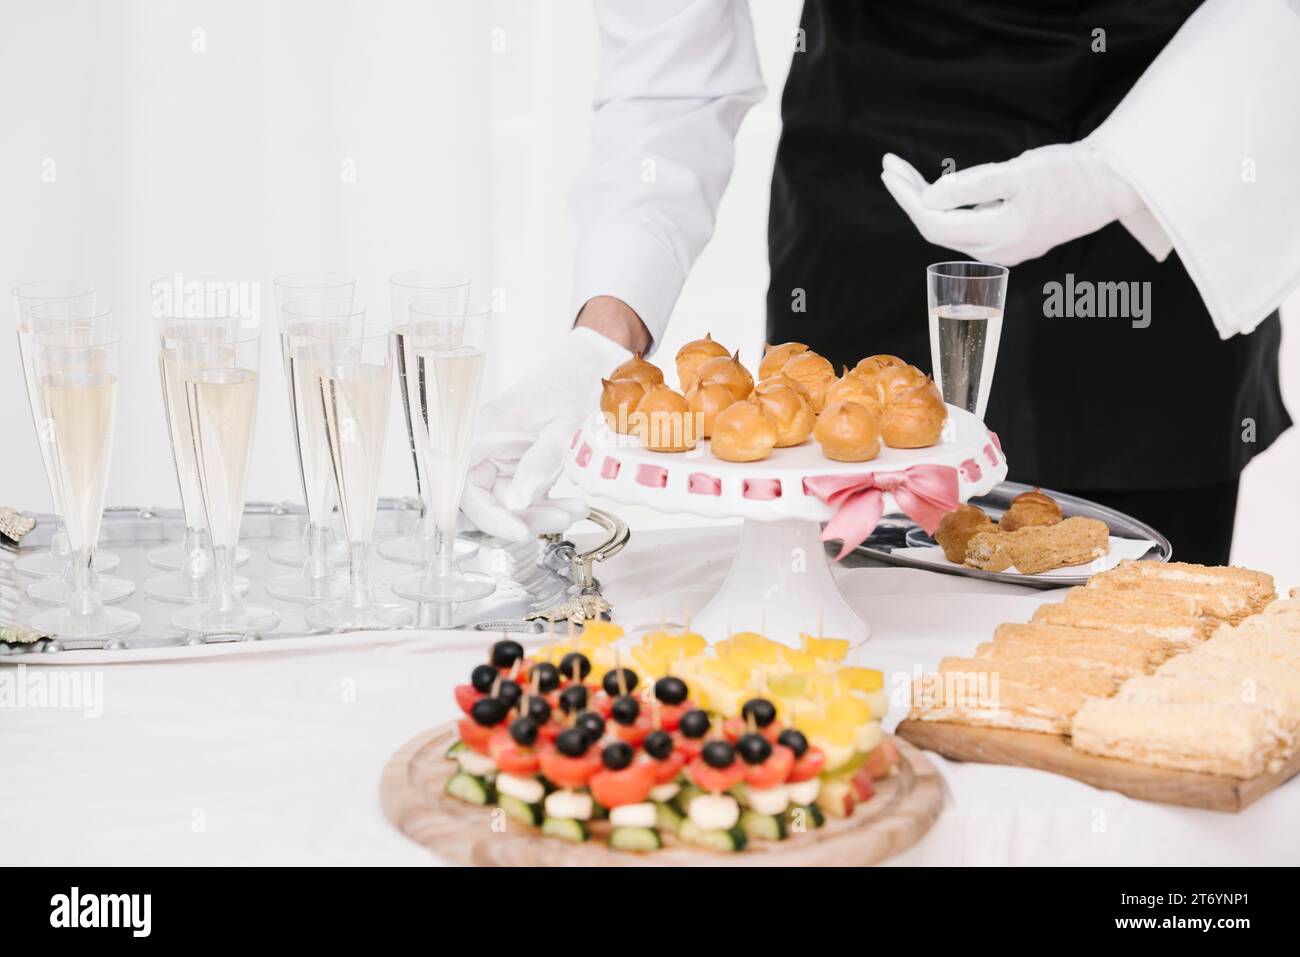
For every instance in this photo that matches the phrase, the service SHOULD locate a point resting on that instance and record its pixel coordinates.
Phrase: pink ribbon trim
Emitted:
(762, 490)
(925, 493)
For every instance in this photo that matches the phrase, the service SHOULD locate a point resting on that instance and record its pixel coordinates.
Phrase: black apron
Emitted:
(1079, 403)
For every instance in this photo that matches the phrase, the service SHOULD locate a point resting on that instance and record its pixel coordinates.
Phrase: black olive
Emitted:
(509, 692)
(572, 742)
(539, 709)
(592, 725)
(718, 754)
(760, 709)
(575, 666)
(611, 684)
(546, 676)
(754, 748)
(694, 724)
(617, 755)
(483, 677)
(671, 690)
(573, 699)
(506, 653)
(524, 732)
(489, 711)
(658, 744)
(625, 710)
(794, 740)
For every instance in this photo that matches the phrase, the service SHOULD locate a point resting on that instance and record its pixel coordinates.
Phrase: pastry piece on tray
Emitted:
(1040, 548)
(1225, 739)
(1183, 631)
(958, 527)
(1256, 588)
(1284, 708)
(1121, 655)
(1030, 508)
(1022, 693)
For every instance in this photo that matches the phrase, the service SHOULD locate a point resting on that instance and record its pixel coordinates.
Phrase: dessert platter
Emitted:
(591, 751)
(1172, 682)
(901, 542)
(786, 451)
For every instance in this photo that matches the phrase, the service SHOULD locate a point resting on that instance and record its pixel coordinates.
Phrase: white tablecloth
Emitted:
(273, 756)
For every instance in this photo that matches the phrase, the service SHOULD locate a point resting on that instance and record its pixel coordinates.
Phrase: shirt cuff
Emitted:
(1146, 229)
(630, 264)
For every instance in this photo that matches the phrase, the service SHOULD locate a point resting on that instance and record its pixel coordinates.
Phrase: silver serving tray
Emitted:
(899, 532)
(532, 576)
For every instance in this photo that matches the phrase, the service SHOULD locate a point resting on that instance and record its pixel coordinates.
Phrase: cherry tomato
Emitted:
(635, 732)
(733, 728)
(510, 756)
(716, 780)
(551, 730)
(566, 772)
(466, 695)
(667, 770)
(689, 747)
(599, 702)
(670, 715)
(475, 735)
(631, 785)
(773, 771)
(808, 766)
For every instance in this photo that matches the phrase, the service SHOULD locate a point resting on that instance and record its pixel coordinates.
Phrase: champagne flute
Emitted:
(74, 292)
(75, 373)
(405, 288)
(178, 300)
(445, 348)
(318, 551)
(966, 301)
(221, 380)
(344, 369)
(180, 338)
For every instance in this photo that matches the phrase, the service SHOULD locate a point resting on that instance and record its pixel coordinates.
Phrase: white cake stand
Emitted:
(780, 580)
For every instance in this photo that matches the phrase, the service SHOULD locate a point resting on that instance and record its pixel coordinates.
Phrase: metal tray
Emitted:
(899, 532)
(534, 578)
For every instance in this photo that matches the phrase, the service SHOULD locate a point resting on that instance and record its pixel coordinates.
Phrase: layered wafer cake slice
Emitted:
(1248, 641)
(1183, 631)
(1120, 655)
(1225, 739)
(1219, 689)
(1248, 674)
(1026, 694)
(1256, 588)
(1190, 598)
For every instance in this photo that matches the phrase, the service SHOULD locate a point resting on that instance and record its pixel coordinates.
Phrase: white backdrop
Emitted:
(249, 139)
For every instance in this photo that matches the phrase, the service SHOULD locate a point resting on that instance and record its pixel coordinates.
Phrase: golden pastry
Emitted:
(663, 421)
(618, 400)
(1074, 541)
(1031, 508)
(850, 388)
(779, 379)
(774, 357)
(727, 370)
(743, 432)
(869, 367)
(706, 401)
(914, 419)
(814, 373)
(848, 432)
(647, 373)
(896, 381)
(959, 527)
(693, 355)
(793, 416)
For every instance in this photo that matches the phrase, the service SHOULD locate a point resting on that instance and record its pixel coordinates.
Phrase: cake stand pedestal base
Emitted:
(780, 585)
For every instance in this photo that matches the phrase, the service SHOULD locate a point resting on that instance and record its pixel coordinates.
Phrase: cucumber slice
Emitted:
(732, 840)
(566, 829)
(682, 802)
(668, 817)
(803, 817)
(634, 839)
(599, 812)
(521, 811)
(456, 748)
(763, 827)
(470, 789)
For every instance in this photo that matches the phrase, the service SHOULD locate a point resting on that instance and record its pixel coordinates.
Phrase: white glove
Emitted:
(1023, 207)
(523, 436)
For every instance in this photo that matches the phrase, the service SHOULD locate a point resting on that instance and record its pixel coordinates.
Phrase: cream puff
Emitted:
(743, 432)
(663, 421)
(647, 373)
(693, 355)
(727, 370)
(848, 432)
(793, 416)
(706, 400)
(914, 419)
(1031, 508)
(618, 400)
(774, 357)
(814, 373)
(850, 388)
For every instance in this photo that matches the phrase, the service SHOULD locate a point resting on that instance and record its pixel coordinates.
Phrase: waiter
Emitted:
(1143, 143)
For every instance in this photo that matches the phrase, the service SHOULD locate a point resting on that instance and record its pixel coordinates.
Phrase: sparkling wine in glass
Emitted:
(966, 301)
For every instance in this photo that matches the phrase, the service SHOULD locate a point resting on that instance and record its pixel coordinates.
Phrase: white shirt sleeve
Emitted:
(1209, 137)
(676, 78)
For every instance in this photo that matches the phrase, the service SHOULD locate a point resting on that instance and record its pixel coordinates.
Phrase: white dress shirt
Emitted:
(1209, 137)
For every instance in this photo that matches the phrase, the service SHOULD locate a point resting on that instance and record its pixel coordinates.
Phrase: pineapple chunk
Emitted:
(862, 679)
(833, 648)
(796, 659)
(601, 632)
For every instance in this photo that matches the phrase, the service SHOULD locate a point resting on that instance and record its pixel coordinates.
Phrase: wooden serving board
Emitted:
(1052, 752)
(411, 792)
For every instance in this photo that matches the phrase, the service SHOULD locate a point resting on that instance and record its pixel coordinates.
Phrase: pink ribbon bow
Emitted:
(925, 493)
